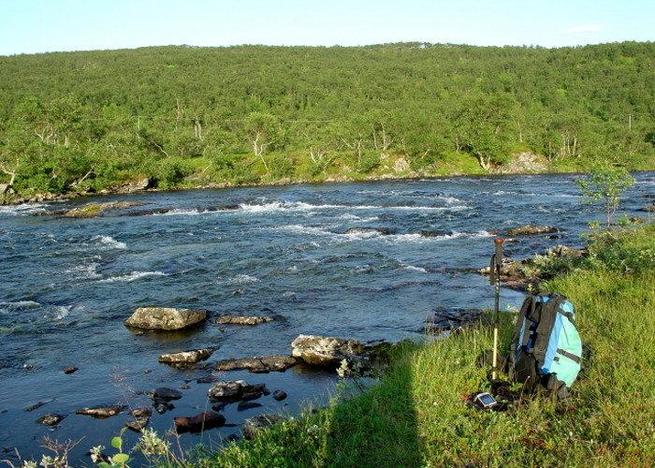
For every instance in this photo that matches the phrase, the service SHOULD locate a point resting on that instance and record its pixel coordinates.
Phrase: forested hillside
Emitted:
(188, 116)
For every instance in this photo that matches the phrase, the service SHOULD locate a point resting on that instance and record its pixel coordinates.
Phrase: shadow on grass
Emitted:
(378, 427)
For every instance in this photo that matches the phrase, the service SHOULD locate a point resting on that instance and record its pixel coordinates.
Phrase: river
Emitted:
(68, 284)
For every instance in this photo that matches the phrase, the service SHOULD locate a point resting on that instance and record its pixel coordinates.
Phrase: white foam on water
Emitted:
(302, 206)
(110, 243)
(242, 279)
(6, 307)
(414, 268)
(61, 312)
(183, 212)
(299, 229)
(133, 276)
(23, 209)
(85, 271)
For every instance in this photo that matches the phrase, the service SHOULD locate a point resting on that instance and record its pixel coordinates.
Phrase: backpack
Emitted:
(546, 349)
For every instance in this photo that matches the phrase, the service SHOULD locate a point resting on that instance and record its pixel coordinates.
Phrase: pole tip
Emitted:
(499, 240)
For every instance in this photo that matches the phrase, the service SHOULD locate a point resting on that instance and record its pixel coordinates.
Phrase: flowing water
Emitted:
(68, 284)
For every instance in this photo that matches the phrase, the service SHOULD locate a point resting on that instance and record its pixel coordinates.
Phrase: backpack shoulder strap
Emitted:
(545, 326)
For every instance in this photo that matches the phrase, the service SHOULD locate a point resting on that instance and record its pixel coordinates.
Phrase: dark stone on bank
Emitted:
(199, 422)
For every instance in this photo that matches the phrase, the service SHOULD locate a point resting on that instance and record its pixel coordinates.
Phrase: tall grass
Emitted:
(417, 416)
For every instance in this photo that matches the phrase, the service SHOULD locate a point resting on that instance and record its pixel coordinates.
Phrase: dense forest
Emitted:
(188, 116)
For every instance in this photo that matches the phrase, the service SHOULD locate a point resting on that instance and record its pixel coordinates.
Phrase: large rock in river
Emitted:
(199, 422)
(325, 351)
(235, 390)
(259, 364)
(531, 230)
(186, 358)
(243, 319)
(165, 318)
(91, 210)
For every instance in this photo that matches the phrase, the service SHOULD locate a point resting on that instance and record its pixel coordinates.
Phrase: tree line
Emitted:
(85, 121)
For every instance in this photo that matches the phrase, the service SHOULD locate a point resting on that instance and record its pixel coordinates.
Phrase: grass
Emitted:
(416, 415)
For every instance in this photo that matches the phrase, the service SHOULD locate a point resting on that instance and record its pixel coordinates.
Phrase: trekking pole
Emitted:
(494, 279)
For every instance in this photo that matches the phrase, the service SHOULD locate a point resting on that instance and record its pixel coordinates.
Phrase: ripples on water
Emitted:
(307, 253)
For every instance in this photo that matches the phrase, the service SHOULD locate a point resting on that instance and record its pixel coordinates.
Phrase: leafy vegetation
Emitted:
(86, 121)
(604, 185)
(417, 416)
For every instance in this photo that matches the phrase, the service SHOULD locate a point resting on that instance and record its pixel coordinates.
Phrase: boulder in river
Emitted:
(253, 425)
(141, 419)
(359, 231)
(91, 210)
(246, 405)
(234, 390)
(51, 419)
(279, 395)
(325, 351)
(165, 318)
(243, 319)
(186, 358)
(101, 412)
(531, 230)
(166, 394)
(259, 364)
(70, 370)
(199, 422)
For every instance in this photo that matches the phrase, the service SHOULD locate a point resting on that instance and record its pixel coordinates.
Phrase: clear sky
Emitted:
(29, 26)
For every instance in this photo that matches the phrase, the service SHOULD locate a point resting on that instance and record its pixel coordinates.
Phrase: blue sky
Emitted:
(29, 26)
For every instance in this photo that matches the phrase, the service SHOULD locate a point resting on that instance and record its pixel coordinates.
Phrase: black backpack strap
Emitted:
(545, 326)
(526, 308)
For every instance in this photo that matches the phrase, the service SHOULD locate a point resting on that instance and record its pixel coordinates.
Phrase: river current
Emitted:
(304, 253)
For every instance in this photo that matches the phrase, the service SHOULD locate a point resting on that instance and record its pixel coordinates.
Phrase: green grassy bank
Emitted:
(416, 415)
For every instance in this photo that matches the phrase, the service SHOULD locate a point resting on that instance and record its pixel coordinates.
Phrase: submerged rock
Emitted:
(259, 364)
(91, 210)
(165, 318)
(199, 422)
(279, 395)
(186, 358)
(70, 370)
(166, 394)
(141, 419)
(531, 230)
(246, 405)
(450, 319)
(369, 230)
(235, 390)
(38, 404)
(253, 425)
(101, 412)
(51, 419)
(243, 319)
(325, 351)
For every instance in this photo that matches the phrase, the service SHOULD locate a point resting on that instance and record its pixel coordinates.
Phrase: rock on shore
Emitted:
(253, 425)
(325, 351)
(165, 318)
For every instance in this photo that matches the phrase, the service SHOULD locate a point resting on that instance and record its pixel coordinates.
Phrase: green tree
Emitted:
(604, 186)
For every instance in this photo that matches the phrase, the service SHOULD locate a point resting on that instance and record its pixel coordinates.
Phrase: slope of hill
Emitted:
(87, 121)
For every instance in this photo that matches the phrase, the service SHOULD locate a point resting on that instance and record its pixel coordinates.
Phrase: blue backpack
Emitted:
(546, 349)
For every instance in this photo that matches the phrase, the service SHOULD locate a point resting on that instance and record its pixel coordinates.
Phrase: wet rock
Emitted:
(38, 404)
(526, 274)
(186, 358)
(219, 406)
(91, 210)
(51, 419)
(162, 406)
(101, 412)
(166, 394)
(649, 208)
(531, 230)
(208, 379)
(165, 318)
(70, 370)
(199, 422)
(141, 419)
(233, 390)
(246, 405)
(259, 364)
(450, 319)
(435, 233)
(185, 386)
(325, 351)
(279, 395)
(243, 319)
(369, 230)
(253, 425)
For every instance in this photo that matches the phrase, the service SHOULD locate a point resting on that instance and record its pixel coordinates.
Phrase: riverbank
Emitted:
(198, 176)
(417, 416)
